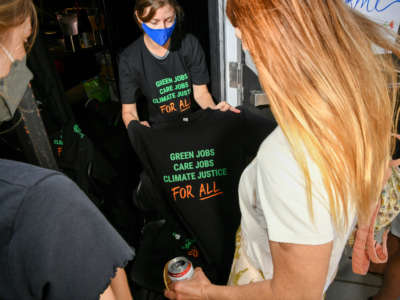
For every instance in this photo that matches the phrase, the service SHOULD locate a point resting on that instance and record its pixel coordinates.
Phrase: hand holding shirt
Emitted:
(195, 163)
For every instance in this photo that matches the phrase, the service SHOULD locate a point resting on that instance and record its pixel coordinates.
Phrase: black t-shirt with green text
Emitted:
(166, 83)
(196, 162)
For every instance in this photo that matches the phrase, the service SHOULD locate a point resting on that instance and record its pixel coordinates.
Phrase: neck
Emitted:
(5, 64)
(155, 48)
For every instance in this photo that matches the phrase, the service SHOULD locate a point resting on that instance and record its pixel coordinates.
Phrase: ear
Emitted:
(27, 28)
(238, 34)
(137, 17)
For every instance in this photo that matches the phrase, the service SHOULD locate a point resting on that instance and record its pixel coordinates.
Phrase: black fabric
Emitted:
(162, 241)
(54, 243)
(207, 207)
(163, 238)
(165, 83)
(80, 160)
(47, 87)
(140, 293)
(145, 197)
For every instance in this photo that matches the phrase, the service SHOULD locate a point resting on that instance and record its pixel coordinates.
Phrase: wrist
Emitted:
(206, 291)
(134, 118)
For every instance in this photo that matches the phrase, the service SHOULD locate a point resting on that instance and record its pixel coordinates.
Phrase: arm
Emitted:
(108, 294)
(118, 289)
(129, 113)
(197, 66)
(129, 86)
(299, 274)
(203, 97)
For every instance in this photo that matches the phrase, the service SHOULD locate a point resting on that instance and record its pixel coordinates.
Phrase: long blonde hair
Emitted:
(14, 13)
(328, 91)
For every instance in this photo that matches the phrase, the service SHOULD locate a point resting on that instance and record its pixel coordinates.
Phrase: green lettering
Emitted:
(181, 155)
(164, 81)
(166, 89)
(179, 177)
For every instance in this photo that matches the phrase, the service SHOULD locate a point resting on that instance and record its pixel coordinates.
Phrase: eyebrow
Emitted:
(157, 20)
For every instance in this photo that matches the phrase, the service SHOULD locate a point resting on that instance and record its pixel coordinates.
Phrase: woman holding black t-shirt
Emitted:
(169, 70)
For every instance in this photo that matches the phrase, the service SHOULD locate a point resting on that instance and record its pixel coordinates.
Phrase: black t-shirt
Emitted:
(196, 162)
(166, 83)
(163, 240)
(54, 243)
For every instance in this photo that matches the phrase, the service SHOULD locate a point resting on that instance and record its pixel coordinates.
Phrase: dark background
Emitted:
(100, 159)
(121, 29)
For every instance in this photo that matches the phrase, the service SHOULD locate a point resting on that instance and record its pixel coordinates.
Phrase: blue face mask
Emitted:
(160, 36)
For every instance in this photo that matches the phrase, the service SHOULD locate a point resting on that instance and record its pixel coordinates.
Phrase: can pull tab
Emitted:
(185, 119)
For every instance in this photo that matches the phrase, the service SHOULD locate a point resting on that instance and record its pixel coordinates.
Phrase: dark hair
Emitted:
(14, 13)
(141, 6)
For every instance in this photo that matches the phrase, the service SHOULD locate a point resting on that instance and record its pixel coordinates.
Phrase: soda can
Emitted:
(177, 269)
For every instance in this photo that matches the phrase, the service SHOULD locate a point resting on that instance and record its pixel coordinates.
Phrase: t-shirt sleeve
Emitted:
(128, 81)
(62, 245)
(195, 60)
(282, 195)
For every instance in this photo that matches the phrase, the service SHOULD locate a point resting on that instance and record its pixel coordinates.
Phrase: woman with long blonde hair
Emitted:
(324, 166)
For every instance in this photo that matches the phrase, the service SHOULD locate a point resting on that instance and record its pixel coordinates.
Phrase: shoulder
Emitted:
(54, 195)
(190, 39)
(276, 159)
(56, 199)
(21, 174)
(275, 147)
(189, 42)
(38, 188)
(50, 194)
(132, 50)
(16, 179)
(25, 189)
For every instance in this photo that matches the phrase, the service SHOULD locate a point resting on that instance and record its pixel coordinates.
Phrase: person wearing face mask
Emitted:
(167, 68)
(13, 70)
(54, 243)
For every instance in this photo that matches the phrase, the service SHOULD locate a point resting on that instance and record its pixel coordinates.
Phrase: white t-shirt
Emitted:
(274, 207)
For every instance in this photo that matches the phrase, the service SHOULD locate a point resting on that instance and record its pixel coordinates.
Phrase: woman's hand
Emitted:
(145, 123)
(191, 289)
(129, 113)
(224, 106)
(204, 99)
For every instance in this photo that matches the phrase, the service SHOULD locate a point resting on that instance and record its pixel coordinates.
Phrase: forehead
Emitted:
(163, 12)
